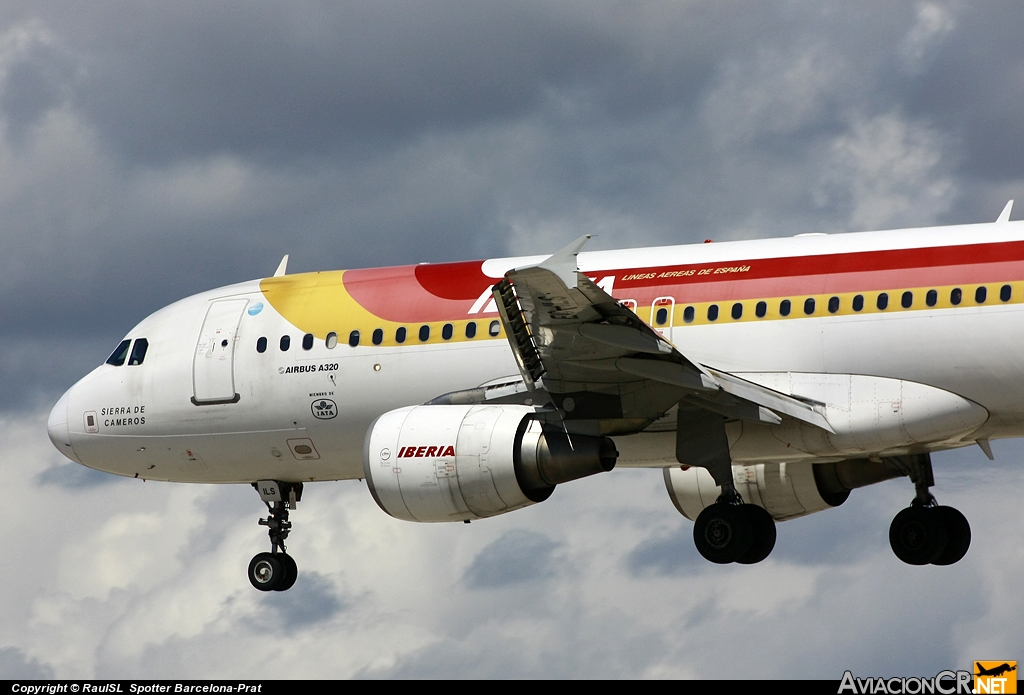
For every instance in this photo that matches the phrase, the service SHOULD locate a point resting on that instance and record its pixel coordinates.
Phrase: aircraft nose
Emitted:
(57, 428)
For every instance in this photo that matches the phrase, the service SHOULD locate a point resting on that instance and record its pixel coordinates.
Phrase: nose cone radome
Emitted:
(57, 428)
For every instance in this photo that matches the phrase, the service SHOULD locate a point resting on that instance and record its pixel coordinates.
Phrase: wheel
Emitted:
(763, 526)
(291, 572)
(918, 535)
(266, 572)
(723, 533)
(959, 531)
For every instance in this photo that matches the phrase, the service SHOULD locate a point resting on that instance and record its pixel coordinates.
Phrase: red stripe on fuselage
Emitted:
(447, 291)
(736, 290)
(453, 280)
(829, 264)
(397, 294)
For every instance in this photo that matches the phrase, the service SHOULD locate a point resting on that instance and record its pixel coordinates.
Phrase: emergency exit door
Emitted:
(213, 366)
(662, 314)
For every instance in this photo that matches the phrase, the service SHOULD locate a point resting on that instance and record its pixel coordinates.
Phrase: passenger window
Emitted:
(353, 339)
(661, 316)
(378, 336)
(858, 302)
(809, 306)
(737, 311)
(883, 301)
(332, 340)
(471, 329)
(761, 309)
(833, 305)
(713, 312)
(907, 300)
(261, 345)
(118, 356)
(980, 295)
(307, 341)
(932, 298)
(446, 331)
(286, 342)
(784, 307)
(400, 335)
(138, 352)
(955, 296)
(494, 329)
(688, 314)
(424, 333)
(1005, 292)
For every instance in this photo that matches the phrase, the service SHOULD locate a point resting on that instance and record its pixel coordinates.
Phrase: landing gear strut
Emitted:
(731, 531)
(728, 530)
(925, 532)
(276, 570)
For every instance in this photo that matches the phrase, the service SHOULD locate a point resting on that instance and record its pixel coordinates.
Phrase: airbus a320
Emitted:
(766, 379)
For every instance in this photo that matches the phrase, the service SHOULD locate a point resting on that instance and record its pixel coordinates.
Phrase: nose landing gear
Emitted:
(927, 533)
(276, 570)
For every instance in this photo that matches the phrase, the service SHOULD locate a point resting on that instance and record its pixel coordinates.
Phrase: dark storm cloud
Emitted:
(270, 78)
(250, 78)
(38, 80)
(668, 554)
(515, 558)
(313, 599)
(36, 368)
(974, 88)
(14, 664)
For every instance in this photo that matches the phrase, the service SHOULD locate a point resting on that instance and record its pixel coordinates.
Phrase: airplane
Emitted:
(995, 671)
(766, 378)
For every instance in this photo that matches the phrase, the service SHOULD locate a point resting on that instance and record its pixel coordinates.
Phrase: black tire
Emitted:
(959, 532)
(764, 534)
(291, 572)
(723, 533)
(266, 572)
(917, 535)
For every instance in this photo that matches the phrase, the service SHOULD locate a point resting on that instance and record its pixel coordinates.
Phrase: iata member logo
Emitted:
(995, 676)
(324, 409)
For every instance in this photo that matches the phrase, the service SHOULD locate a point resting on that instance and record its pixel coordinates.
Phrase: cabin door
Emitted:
(662, 316)
(213, 365)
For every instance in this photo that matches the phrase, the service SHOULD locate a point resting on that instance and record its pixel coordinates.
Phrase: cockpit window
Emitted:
(117, 356)
(138, 352)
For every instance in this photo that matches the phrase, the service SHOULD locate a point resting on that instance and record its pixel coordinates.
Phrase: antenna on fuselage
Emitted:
(1004, 216)
(283, 267)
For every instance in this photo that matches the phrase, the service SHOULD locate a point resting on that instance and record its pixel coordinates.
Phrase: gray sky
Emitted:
(152, 150)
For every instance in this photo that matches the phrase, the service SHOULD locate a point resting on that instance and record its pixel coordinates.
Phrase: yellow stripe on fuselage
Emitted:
(845, 304)
(318, 303)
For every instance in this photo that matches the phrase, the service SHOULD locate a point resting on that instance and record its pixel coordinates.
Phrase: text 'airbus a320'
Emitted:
(767, 379)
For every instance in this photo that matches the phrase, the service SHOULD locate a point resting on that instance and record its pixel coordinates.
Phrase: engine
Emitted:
(786, 490)
(463, 462)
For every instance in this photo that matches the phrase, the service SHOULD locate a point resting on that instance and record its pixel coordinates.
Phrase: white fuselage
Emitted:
(302, 414)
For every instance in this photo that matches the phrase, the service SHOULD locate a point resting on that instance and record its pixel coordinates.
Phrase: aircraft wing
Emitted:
(606, 370)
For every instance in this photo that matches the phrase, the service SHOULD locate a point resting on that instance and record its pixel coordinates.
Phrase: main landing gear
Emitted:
(925, 532)
(731, 531)
(276, 570)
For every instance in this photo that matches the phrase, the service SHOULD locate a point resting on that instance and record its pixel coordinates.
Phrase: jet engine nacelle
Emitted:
(786, 490)
(461, 462)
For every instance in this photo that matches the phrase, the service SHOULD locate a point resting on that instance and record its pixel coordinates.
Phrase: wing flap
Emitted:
(570, 336)
(773, 400)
